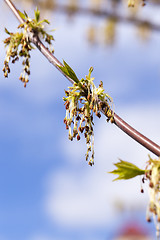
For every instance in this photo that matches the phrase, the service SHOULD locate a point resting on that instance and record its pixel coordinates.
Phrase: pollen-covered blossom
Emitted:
(132, 3)
(19, 44)
(153, 174)
(82, 99)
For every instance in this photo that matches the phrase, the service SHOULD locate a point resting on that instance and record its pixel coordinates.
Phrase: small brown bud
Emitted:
(148, 219)
(20, 78)
(7, 40)
(67, 106)
(67, 127)
(98, 114)
(81, 129)
(78, 137)
(89, 148)
(67, 93)
(143, 179)
(78, 118)
(75, 132)
(151, 185)
(6, 74)
(90, 163)
(86, 128)
(17, 58)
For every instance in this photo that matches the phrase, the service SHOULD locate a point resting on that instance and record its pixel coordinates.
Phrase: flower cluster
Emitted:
(19, 44)
(82, 99)
(37, 27)
(127, 170)
(153, 174)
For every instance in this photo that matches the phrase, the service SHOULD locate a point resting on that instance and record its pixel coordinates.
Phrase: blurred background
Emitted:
(47, 189)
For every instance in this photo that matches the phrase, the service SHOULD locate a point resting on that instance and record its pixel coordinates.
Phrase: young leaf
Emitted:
(69, 72)
(26, 15)
(22, 15)
(126, 170)
(46, 21)
(7, 31)
(37, 15)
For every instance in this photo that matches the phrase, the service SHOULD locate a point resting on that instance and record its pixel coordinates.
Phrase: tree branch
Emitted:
(137, 136)
(147, 143)
(104, 14)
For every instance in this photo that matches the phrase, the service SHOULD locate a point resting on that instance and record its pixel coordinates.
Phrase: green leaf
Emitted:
(46, 21)
(69, 72)
(126, 170)
(22, 15)
(26, 15)
(37, 15)
(7, 31)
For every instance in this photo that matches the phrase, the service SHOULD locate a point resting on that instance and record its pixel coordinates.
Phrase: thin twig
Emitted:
(105, 14)
(147, 143)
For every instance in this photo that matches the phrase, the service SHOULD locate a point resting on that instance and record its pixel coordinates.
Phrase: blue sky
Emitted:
(47, 190)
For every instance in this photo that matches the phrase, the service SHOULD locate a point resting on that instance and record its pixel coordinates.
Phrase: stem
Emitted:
(137, 136)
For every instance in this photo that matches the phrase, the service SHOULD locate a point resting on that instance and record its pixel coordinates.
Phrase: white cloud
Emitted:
(41, 237)
(46, 237)
(80, 197)
(87, 200)
(85, 196)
